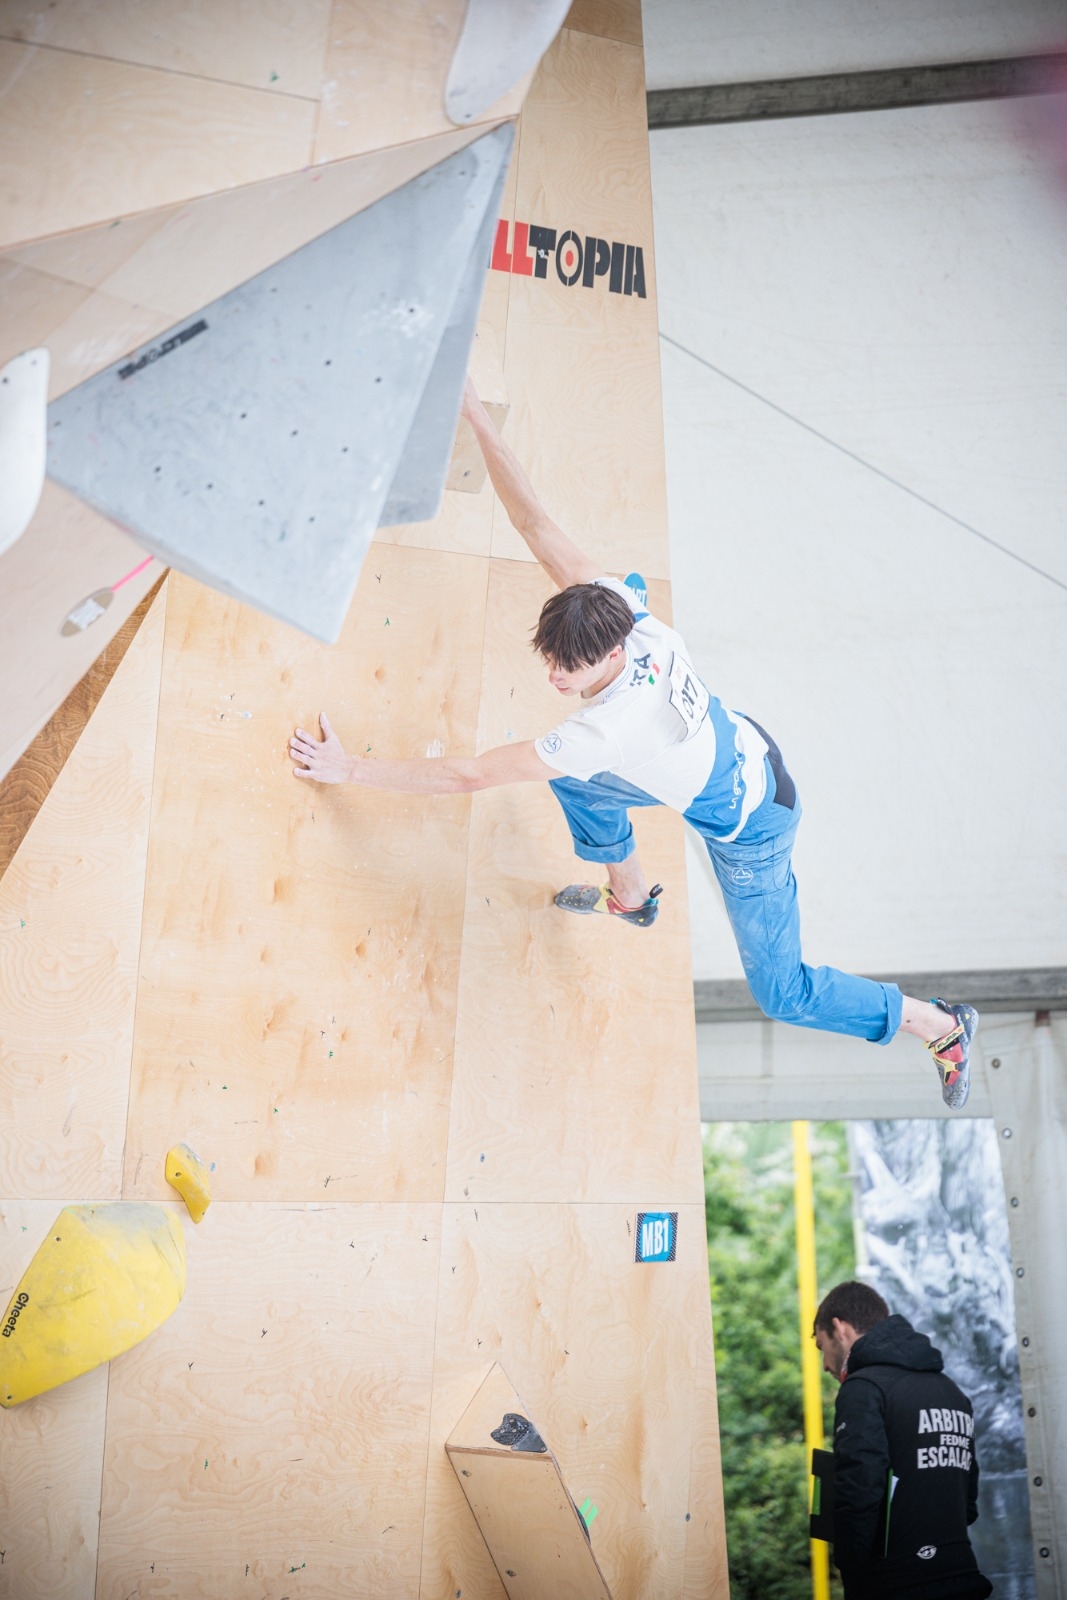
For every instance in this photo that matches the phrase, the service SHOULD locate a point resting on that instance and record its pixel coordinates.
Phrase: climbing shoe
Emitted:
(586, 898)
(951, 1053)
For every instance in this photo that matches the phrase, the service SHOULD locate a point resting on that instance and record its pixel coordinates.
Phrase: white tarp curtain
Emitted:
(1026, 1069)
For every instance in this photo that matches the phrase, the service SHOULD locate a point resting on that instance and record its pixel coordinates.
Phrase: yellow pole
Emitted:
(810, 1363)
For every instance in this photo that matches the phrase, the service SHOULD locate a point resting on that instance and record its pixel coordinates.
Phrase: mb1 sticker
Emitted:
(656, 1235)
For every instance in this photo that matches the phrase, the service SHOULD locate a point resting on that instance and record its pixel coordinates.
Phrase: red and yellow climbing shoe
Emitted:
(951, 1054)
(587, 898)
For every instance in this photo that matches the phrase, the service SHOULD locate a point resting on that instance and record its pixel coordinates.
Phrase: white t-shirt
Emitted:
(657, 727)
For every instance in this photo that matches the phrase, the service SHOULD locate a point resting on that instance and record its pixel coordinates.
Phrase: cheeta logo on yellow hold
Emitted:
(16, 1310)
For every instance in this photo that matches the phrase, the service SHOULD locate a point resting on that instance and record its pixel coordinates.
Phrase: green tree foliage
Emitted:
(748, 1182)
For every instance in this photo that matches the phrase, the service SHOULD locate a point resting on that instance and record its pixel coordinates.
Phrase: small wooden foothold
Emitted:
(538, 1539)
(187, 1173)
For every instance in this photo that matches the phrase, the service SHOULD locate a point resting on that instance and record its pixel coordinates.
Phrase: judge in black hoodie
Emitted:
(905, 1472)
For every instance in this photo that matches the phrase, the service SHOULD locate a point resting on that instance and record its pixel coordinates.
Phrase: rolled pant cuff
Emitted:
(604, 852)
(894, 1000)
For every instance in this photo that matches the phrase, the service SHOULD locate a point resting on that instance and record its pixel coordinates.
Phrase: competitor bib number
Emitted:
(688, 695)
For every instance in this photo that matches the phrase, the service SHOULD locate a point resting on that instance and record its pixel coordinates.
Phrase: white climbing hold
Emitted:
(23, 412)
(500, 42)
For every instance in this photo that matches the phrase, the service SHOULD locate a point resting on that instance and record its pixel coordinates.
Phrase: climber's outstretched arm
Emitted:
(559, 555)
(326, 761)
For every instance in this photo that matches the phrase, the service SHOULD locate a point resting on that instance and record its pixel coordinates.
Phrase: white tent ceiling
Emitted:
(866, 384)
(713, 41)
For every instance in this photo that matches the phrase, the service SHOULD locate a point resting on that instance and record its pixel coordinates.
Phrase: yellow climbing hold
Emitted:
(188, 1174)
(104, 1279)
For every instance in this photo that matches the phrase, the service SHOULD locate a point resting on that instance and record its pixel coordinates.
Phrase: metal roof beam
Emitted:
(882, 90)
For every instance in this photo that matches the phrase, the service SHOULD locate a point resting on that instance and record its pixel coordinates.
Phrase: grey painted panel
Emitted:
(253, 446)
(419, 482)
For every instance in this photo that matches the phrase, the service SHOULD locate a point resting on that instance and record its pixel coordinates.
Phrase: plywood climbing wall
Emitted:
(154, 157)
(92, 294)
(434, 1105)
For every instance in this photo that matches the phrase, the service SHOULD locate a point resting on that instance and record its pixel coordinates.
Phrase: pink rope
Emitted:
(147, 562)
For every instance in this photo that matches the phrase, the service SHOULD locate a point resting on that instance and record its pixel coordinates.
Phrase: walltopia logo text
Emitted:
(576, 257)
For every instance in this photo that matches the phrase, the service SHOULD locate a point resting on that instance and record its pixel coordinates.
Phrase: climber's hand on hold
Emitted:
(323, 760)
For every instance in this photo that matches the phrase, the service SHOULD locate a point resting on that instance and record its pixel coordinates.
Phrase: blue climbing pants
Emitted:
(756, 878)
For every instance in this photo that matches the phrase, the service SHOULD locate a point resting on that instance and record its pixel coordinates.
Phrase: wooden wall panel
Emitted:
(706, 1571)
(33, 305)
(464, 525)
(166, 103)
(91, 335)
(66, 553)
(575, 1064)
(611, 19)
(52, 1449)
(167, 138)
(149, 272)
(70, 925)
(384, 79)
(270, 1438)
(298, 976)
(277, 45)
(601, 1350)
(92, 296)
(206, 248)
(433, 1103)
(91, 255)
(26, 787)
(562, 1026)
(582, 364)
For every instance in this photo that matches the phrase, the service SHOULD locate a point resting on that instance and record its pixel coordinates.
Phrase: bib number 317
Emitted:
(688, 695)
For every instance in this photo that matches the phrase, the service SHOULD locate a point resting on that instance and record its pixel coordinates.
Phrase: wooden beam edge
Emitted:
(26, 787)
